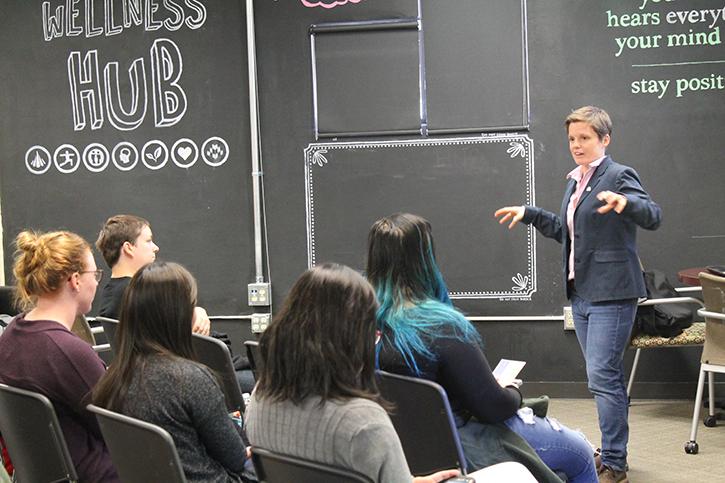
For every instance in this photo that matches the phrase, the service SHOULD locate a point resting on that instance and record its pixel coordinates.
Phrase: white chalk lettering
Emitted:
(90, 95)
(85, 88)
(120, 118)
(111, 27)
(52, 24)
(84, 17)
(71, 28)
(200, 9)
(91, 29)
(166, 68)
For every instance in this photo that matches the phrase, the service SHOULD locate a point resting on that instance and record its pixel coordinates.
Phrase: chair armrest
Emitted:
(713, 315)
(102, 347)
(672, 300)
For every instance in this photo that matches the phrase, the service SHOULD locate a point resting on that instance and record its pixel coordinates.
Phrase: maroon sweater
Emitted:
(45, 357)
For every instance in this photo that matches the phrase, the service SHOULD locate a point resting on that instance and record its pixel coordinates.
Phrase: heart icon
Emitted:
(184, 152)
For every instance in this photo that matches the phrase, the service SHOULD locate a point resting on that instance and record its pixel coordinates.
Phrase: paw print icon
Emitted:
(215, 151)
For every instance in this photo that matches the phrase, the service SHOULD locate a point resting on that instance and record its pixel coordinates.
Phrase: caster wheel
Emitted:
(691, 447)
(710, 421)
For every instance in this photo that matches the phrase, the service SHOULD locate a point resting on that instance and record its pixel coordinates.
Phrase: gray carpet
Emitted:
(658, 430)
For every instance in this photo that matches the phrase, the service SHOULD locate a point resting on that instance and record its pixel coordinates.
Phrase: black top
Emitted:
(112, 296)
(463, 371)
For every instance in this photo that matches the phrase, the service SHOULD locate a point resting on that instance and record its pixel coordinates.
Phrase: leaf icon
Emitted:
(150, 157)
(157, 152)
(516, 149)
(318, 157)
(520, 281)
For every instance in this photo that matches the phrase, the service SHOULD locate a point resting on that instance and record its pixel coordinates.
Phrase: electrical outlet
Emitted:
(259, 294)
(260, 322)
(568, 319)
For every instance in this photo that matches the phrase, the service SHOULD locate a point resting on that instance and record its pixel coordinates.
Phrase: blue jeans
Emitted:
(603, 330)
(562, 449)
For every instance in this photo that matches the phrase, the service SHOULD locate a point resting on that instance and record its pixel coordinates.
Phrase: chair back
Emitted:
(7, 300)
(713, 294)
(141, 452)
(34, 437)
(277, 468)
(214, 354)
(109, 328)
(254, 356)
(424, 422)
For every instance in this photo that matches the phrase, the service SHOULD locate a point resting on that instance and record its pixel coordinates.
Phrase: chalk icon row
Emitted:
(125, 156)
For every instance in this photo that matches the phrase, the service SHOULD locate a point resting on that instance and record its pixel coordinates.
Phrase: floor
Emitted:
(658, 432)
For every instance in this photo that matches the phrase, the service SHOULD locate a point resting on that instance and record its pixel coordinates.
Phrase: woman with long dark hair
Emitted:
(316, 397)
(423, 335)
(155, 377)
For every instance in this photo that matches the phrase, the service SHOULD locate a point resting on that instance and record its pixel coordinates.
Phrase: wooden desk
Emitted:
(689, 276)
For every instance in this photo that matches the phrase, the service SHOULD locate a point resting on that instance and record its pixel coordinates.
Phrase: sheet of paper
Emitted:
(507, 370)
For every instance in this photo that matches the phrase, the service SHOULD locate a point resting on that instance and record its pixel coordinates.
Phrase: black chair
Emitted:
(141, 452)
(7, 300)
(215, 354)
(424, 422)
(253, 355)
(277, 468)
(34, 437)
(109, 328)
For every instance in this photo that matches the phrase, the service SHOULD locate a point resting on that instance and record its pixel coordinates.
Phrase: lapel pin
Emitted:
(589, 188)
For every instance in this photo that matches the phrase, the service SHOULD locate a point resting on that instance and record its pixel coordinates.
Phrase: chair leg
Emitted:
(711, 419)
(691, 446)
(634, 370)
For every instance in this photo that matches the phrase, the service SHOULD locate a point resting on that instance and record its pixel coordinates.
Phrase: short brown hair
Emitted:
(43, 261)
(596, 117)
(116, 231)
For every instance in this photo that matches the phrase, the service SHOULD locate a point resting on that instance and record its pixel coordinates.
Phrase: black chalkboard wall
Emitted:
(327, 183)
(358, 143)
(168, 140)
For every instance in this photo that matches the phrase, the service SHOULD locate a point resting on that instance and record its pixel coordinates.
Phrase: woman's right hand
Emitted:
(513, 213)
(437, 477)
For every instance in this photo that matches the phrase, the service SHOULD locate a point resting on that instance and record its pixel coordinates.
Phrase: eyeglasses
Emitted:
(98, 274)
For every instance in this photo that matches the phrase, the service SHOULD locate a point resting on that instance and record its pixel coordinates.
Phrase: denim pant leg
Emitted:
(562, 449)
(603, 330)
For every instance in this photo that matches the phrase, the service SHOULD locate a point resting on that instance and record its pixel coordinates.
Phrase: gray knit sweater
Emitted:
(356, 434)
(183, 397)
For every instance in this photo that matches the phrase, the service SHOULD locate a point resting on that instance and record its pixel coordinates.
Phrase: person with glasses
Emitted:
(56, 281)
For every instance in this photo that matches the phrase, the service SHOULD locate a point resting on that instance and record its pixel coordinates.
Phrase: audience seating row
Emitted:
(144, 452)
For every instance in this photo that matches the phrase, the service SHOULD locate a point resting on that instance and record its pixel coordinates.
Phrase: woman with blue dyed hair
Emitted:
(423, 335)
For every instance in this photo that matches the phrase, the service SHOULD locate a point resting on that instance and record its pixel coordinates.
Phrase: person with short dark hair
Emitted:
(604, 203)
(317, 397)
(155, 376)
(56, 280)
(423, 335)
(127, 244)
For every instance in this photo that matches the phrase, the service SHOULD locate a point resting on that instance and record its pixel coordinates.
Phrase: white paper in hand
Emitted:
(507, 370)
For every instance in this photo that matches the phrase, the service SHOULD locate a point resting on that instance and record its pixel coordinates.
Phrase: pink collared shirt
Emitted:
(582, 180)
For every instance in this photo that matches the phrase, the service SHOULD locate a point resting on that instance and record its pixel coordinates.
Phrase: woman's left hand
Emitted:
(611, 201)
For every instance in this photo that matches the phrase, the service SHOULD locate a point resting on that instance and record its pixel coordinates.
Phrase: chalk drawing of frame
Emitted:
(514, 147)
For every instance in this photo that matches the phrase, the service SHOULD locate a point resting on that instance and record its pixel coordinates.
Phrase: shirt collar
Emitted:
(576, 173)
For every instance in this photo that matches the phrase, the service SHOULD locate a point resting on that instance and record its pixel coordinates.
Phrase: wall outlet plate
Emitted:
(259, 294)
(260, 322)
(568, 319)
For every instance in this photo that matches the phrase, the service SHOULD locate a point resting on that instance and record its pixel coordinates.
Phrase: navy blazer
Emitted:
(606, 265)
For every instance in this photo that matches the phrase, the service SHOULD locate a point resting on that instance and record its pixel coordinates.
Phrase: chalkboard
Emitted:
(132, 107)
(382, 175)
(575, 53)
